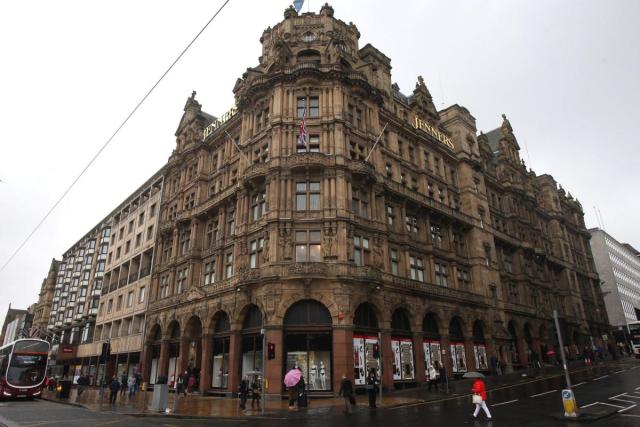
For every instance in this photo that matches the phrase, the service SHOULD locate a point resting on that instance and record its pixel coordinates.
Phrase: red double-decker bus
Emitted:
(23, 365)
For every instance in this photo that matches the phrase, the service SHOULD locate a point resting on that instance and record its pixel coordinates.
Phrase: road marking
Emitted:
(626, 409)
(617, 372)
(579, 384)
(586, 406)
(611, 404)
(630, 415)
(630, 396)
(504, 403)
(599, 378)
(542, 394)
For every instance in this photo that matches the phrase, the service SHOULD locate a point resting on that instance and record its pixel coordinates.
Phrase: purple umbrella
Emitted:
(292, 378)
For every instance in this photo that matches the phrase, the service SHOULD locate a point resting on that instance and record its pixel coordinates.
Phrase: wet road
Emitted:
(526, 404)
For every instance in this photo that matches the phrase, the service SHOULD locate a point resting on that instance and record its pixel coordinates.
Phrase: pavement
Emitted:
(612, 390)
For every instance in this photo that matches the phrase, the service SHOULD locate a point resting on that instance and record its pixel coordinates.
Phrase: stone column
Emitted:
(206, 362)
(418, 363)
(342, 355)
(273, 368)
(235, 357)
(469, 354)
(183, 358)
(387, 360)
(163, 365)
(446, 357)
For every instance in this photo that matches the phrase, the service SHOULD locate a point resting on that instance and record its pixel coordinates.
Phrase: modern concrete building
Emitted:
(17, 324)
(439, 244)
(618, 266)
(125, 289)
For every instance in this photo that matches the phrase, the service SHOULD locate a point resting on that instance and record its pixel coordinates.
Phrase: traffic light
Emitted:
(271, 351)
(376, 351)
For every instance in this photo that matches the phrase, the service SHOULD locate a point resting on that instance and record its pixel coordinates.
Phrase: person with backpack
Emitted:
(346, 391)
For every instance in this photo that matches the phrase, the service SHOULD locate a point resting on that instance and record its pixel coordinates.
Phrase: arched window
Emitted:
(252, 319)
(307, 312)
(221, 323)
(251, 345)
(458, 355)
(455, 330)
(365, 317)
(478, 333)
(309, 55)
(430, 327)
(400, 321)
(402, 346)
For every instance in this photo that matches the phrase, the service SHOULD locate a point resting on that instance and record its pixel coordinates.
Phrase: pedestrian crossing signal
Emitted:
(271, 351)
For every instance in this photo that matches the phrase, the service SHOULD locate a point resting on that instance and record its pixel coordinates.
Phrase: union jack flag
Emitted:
(303, 138)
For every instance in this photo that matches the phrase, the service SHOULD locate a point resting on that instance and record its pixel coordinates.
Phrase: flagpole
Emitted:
(376, 143)
(238, 148)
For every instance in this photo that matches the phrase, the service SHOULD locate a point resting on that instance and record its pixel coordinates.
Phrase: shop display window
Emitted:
(220, 372)
(480, 352)
(363, 359)
(458, 358)
(403, 369)
(251, 354)
(311, 353)
(431, 355)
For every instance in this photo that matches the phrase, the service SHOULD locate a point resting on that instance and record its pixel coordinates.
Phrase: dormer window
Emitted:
(308, 37)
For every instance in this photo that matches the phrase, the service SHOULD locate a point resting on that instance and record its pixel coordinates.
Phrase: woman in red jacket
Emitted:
(480, 398)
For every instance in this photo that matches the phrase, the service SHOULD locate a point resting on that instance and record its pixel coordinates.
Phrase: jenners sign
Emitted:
(218, 122)
(434, 132)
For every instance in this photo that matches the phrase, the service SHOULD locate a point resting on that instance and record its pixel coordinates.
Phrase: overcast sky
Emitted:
(564, 72)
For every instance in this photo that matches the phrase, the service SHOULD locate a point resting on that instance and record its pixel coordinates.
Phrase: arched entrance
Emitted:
(431, 343)
(193, 338)
(456, 339)
(174, 352)
(402, 347)
(479, 346)
(251, 344)
(155, 339)
(308, 343)
(365, 343)
(220, 359)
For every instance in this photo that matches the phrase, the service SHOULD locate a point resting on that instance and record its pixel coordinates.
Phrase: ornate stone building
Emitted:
(45, 298)
(438, 242)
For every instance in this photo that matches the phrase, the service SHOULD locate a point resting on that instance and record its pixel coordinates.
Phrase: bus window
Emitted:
(26, 370)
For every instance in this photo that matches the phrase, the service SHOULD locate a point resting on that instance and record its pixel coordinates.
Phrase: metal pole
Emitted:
(380, 362)
(561, 344)
(376, 143)
(264, 370)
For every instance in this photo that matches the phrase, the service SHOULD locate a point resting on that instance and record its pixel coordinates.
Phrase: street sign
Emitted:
(569, 403)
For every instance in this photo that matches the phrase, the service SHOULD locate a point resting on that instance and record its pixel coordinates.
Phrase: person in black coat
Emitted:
(346, 391)
(372, 387)
(123, 383)
(244, 391)
(114, 386)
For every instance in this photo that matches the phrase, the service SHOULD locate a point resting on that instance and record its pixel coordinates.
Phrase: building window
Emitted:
(231, 222)
(308, 107)
(211, 234)
(360, 251)
(118, 250)
(185, 241)
(508, 264)
(127, 247)
(389, 170)
(458, 243)
(255, 250)
(152, 210)
(416, 264)
(130, 228)
(164, 286)
(393, 254)
(228, 268)
(141, 294)
(138, 239)
(181, 281)
(411, 224)
(442, 274)
(140, 219)
(313, 145)
(150, 232)
(357, 151)
(436, 235)
(308, 196)
(390, 215)
(258, 205)
(463, 278)
(261, 154)
(308, 246)
(209, 273)
(360, 203)
(130, 299)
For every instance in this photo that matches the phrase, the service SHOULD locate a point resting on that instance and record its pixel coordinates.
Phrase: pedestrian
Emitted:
(293, 395)
(184, 380)
(302, 394)
(372, 387)
(102, 385)
(346, 391)
(123, 383)
(131, 383)
(480, 398)
(433, 375)
(114, 387)
(80, 385)
(138, 381)
(255, 393)
(192, 382)
(442, 375)
(244, 390)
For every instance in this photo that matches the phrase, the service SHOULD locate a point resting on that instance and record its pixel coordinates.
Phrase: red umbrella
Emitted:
(292, 378)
